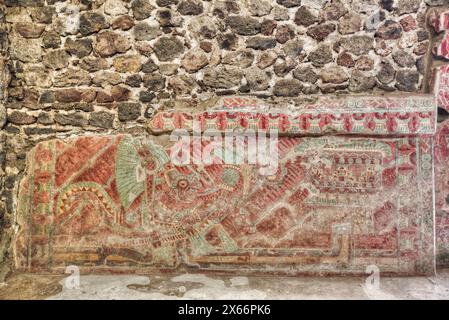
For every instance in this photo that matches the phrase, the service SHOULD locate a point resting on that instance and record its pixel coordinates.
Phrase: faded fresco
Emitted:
(90, 92)
(336, 204)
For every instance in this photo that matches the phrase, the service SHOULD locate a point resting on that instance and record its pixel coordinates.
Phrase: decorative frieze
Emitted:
(346, 115)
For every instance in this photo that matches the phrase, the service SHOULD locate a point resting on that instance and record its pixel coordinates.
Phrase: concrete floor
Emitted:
(200, 286)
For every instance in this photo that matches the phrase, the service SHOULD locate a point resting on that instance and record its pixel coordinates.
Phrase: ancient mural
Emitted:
(335, 204)
(355, 178)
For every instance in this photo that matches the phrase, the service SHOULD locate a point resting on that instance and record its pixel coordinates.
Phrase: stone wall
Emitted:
(5, 226)
(153, 51)
(82, 66)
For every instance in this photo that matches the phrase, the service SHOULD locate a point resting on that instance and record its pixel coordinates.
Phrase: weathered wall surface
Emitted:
(81, 67)
(152, 51)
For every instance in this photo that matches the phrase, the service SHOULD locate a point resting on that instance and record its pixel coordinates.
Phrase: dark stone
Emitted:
(403, 58)
(244, 88)
(345, 60)
(293, 48)
(145, 32)
(43, 14)
(230, 7)
(166, 3)
(246, 26)
(389, 30)
(304, 17)
(267, 27)
(103, 97)
(435, 3)
(141, 9)
(321, 55)
(30, 96)
(56, 59)
(287, 88)
(305, 74)
(260, 43)
(21, 118)
(334, 10)
(101, 120)
(423, 35)
(149, 112)
(386, 73)
(165, 19)
(25, 3)
(44, 118)
(68, 95)
(9, 201)
(47, 97)
(109, 43)
(123, 23)
(332, 88)
(12, 129)
(154, 82)
(283, 68)
(10, 181)
(321, 31)
(88, 95)
(207, 32)
(86, 107)
(387, 4)
(146, 96)
(190, 8)
(361, 83)
(222, 77)
(93, 64)
(29, 30)
(206, 46)
(149, 66)
(227, 41)
(92, 22)
(12, 3)
(134, 80)
(128, 111)
(79, 48)
(289, 3)
(119, 93)
(51, 40)
(72, 119)
(284, 33)
(38, 131)
(168, 48)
